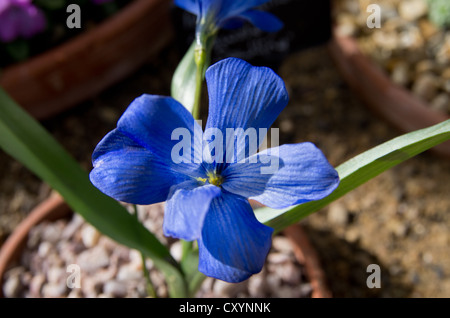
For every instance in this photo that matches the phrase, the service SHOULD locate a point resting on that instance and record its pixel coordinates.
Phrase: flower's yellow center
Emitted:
(215, 179)
(212, 178)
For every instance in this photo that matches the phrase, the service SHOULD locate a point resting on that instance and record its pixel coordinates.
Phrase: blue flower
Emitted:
(207, 195)
(215, 14)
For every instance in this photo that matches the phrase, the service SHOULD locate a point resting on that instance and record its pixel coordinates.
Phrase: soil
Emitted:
(399, 220)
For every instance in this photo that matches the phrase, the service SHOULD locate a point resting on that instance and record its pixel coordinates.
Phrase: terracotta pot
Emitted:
(393, 103)
(51, 209)
(55, 208)
(82, 67)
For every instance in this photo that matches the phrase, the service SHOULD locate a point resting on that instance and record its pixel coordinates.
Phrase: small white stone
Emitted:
(277, 258)
(282, 244)
(89, 235)
(75, 223)
(257, 286)
(93, 259)
(53, 232)
(338, 214)
(12, 286)
(176, 250)
(54, 290)
(44, 249)
(36, 283)
(129, 272)
(224, 289)
(441, 102)
(425, 86)
(56, 275)
(400, 73)
(115, 289)
(411, 10)
(75, 293)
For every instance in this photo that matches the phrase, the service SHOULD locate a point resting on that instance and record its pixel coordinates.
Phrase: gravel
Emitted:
(408, 46)
(108, 269)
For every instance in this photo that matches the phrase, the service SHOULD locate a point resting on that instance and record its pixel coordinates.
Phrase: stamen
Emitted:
(215, 179)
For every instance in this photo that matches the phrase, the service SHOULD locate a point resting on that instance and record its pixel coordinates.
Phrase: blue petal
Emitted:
(231, 8)
(151, 120)
(130, 173)
(186, 210)
(262, 20)
(191, 6)
(243, 96)
(133, 163)
(304, 175)
(234, 245)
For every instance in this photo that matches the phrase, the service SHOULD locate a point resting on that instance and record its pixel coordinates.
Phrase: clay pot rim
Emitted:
(104, 28)
(389, 101)
(47, 99)
(55, 207)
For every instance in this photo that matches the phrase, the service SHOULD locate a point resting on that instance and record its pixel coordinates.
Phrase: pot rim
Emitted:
(389, 101)
(54, 84)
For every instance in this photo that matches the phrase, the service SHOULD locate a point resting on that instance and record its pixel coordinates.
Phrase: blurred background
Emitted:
(399, 220)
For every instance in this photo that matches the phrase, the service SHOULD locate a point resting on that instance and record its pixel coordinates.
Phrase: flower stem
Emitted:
(149, 285)
(200, 59)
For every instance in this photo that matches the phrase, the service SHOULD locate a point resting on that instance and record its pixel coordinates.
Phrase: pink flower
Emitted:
(20, 18)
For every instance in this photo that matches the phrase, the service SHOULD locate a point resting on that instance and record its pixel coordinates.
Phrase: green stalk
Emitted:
(149, 285)
(199, 57)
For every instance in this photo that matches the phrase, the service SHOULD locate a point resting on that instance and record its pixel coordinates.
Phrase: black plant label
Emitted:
(306, 24)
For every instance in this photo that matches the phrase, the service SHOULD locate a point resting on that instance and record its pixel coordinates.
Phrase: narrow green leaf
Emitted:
(28, 142)
(183, 81)
(184, 78)
(361, 169)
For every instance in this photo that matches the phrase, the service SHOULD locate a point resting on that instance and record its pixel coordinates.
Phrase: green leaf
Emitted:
(27, 141)
(361, 169)
(194, 277)
(184, 78)
(183, 81)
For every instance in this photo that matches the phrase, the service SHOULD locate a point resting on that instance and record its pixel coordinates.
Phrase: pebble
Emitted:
(44, 249)
(115, 289)
(75, 223)
(425, 86)
(56, 275)
(277, 258)
(411, 10)
(398, 228)
(53, 232)
(93, 259)
(400, 73)
(176, 250)
(282, 244)
(128, 272)
(36, 284)
(338, 214)
(89, 235)
(446, 86)
(224, 289)
(12, 286)
(257, 286)
(441, 102)
(425, 66)
(52, 290)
